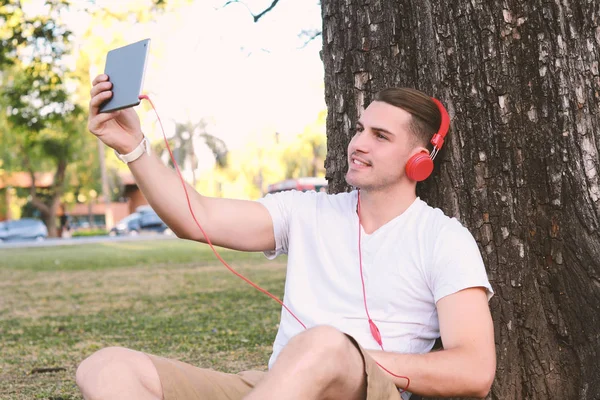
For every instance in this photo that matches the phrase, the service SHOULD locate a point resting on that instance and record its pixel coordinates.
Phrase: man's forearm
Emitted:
(454, 372)
(163, 189)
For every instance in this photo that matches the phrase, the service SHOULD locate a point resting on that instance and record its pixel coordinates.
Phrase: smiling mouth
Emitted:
(360, 163)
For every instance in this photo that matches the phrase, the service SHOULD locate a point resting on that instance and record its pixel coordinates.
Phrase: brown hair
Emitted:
(426, 118)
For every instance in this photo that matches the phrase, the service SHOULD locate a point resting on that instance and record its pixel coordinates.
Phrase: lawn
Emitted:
(167, 297)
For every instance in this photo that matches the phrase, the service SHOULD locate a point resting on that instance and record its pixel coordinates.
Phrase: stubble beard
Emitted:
(376, 183)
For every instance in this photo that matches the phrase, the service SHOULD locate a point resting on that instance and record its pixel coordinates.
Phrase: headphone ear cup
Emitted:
(419, 167)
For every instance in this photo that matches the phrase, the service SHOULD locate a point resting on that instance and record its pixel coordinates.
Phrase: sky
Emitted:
(209, 61)
(249, 76)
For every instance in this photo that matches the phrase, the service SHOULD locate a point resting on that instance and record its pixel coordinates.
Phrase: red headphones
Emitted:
(420, 166)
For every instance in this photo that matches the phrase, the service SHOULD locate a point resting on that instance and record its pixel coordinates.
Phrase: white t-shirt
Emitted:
(408, 265)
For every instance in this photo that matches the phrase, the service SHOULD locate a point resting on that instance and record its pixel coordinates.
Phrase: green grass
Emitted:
(117, 255)
(168, 297)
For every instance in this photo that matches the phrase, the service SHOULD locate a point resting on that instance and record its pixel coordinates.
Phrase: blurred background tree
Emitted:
(43, 126)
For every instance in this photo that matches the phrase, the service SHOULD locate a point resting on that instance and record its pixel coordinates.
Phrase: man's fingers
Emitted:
(97, 101)
(100, 87)
(100, 119)
(100, 78)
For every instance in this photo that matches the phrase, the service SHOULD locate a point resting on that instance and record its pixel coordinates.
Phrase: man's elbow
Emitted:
(191, 235)
(482, 384)
(185, 234)
(187, 231)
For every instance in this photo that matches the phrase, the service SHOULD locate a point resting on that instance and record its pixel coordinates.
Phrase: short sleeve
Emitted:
(457, 263)
(280, 206)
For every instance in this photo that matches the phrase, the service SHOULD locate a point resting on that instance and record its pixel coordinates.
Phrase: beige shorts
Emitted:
(181, 381)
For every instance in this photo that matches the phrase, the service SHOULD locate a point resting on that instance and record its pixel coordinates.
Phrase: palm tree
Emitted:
(186, 137)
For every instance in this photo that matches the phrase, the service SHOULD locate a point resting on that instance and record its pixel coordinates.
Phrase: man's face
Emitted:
(378, 152)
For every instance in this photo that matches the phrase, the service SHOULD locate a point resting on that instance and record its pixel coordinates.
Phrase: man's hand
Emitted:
(119, 130)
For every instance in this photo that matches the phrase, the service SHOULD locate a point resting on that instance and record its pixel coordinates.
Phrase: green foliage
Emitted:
(41, 123)
(94, 232)
(36, 116)
(35, 96)
(7, 156)
(34, 92)
(41, 34)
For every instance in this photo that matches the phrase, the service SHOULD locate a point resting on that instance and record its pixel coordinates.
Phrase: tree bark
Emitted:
(48, 211)
(522, 85)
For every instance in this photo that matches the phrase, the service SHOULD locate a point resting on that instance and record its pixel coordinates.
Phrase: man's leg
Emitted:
(118, 373)
(320, 363)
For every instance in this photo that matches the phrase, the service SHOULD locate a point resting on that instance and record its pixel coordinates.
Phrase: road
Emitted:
(81, 240)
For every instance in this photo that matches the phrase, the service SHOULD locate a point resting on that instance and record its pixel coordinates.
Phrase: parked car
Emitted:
(145, 220)
(23, 229)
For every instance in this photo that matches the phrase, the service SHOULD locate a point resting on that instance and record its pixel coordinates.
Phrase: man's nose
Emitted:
(360, 142)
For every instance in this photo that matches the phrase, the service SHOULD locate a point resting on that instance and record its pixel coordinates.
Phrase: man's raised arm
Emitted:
(235, 224)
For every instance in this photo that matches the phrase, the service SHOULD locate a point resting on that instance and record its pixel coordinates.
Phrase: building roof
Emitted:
(23, 179)
(96, 209)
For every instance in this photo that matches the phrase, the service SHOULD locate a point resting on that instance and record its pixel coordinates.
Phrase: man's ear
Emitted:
(419, 149)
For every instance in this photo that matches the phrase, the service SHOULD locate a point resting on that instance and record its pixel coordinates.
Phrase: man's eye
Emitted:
(380, 136)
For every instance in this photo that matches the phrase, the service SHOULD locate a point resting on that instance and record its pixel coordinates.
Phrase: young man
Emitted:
(422, 272)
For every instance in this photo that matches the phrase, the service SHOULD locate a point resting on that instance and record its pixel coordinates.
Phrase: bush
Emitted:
(92, 232)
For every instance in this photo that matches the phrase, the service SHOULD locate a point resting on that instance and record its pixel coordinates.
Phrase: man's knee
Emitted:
(324, 337)
(329, 359)
(326, 347)
(110, 367)
(101, 359)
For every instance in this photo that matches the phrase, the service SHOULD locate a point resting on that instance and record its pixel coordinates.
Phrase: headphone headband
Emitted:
(438, 139)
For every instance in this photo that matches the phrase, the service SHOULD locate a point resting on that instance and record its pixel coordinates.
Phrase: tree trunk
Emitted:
(106, 194)
(48, 211)
(522, 85)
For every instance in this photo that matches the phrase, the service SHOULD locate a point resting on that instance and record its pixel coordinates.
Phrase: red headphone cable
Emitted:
(373, 327)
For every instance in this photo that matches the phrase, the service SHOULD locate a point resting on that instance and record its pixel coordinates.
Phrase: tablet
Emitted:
(125, 68)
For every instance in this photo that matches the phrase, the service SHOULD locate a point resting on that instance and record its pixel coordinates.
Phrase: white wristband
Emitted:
(143, 147)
